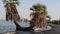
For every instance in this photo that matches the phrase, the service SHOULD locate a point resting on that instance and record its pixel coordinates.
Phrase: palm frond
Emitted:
(48, 16)
(4, 1)
(39, 7)
(16, 3)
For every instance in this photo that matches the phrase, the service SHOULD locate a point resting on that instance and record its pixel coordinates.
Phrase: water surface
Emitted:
(6, 26)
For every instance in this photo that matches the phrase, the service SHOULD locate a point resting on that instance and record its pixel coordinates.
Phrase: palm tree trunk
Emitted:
(18, 27)
(8, 12)
(40, 20)
(12, 14)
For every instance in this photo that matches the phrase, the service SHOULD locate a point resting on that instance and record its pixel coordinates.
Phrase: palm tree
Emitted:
(39, 15)
(10, 6)
(11, 11)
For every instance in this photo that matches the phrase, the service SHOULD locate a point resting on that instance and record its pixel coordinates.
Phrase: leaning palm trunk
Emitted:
(12, 13)
(8, 12)
(15, 14)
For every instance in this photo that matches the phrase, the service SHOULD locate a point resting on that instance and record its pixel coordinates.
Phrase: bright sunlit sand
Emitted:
(43, 29)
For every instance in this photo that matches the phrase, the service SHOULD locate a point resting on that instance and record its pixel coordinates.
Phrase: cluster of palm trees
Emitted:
(39, 14)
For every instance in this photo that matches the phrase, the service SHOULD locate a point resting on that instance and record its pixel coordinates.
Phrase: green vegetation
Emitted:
(39, 14)
(16, 2)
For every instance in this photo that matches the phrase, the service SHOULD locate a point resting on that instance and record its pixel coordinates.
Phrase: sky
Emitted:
(53, 8)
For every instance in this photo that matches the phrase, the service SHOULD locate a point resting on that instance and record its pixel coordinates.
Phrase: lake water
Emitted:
(10, 26)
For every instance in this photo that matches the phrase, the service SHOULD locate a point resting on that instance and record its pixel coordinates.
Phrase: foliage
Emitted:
(39, 8)
(16, 2)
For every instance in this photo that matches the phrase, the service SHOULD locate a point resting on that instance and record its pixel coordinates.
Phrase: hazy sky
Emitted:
(53, 8)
